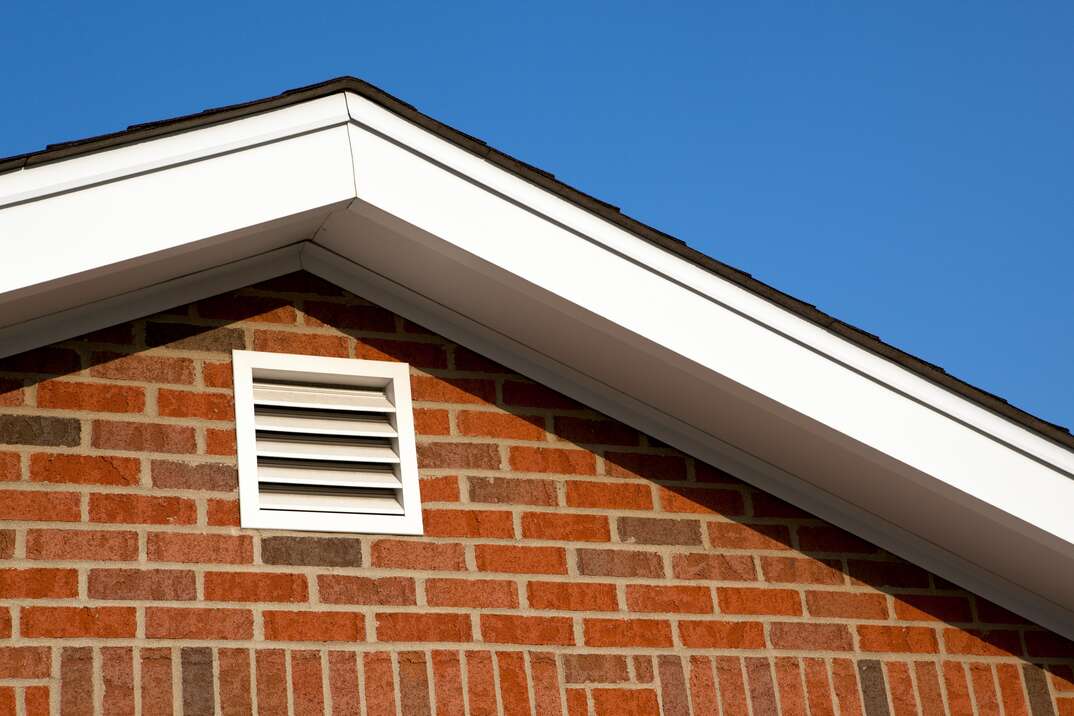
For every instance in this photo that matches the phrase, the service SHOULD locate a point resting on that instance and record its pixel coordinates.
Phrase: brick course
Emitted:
(570, 564)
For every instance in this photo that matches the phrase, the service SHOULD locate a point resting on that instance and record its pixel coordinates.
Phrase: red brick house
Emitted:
(316, 405)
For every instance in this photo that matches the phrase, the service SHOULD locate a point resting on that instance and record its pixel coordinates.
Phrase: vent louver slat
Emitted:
(326, 448)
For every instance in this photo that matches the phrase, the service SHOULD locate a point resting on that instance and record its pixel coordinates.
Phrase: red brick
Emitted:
(595, 669)
(789, 683)
(627, 632)
(609, 495)
(469, 456)
(544, 675)
(510, 629)
(481, 687)
(513, 491)
(658, 598)
(343, 683)
(237, 306)
(805, 570)
(766, 505)
(572, 596)
(25, 662)
(847, 605)
(36, 700)
(307, 682)
(818, 687)
(401, 554)
(452, 390)
(928, 687)
(552, 460)
(440, 489)
(156, 668)
(472, 593)
(721, 635)
(81, 545)
(534, 395)
(734, 600)
(645, 466)
(142, 509)
(7, 544)
(718, 567)
(194, 548)
(831, 539)
(96, 397)
(810, 637)
(733, 535)
(301, 343)
(142, 584)
(84, 469)
(447, 683)
(501, 425)
(143, 368)
(594, 432)
(143, 437)
(652, 530)
(701, 501)
(10, 467)
(420, 355)
(271, 680)
(997, 642)
(253, 587)
(466, 359)
(197, 476)
(1011, 689)
(7, 701)
(217, 375)
(189, 404)
(958, 693)
(40, 506)
(932, 607)
(887, 574)
(11, 392)
(984, 688)
(38, 583)
(469, 523)
(205, 623)
(349, 315)
(520, 560)
(424, 627)
(222, 513)
(379, 684)
(219, 442)
(314, 626)
(77, 622)
(619, 563)
(5, 623)
(845, 686)
(431, 422)
(906, 640)
(48, 360)
(625, 702)
(413, 683)
(577, 702)
(565, 527)
(347, 589)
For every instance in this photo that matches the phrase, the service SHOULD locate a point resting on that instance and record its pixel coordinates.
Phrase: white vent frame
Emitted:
(395, 377)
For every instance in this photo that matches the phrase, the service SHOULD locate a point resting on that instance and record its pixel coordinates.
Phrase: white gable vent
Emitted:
(325, 444)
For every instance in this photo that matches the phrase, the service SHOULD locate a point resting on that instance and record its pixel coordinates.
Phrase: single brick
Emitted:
(84, 469)
(312, 551)
(802, 570)
(652, 530)
(625, 702)
(500, 425)
(402, 554)
(197, 679)
(552, 460)
(11, 392)
(431, 422)
(733, 535)
(190, 404)
(469, 456)
(78, 622)
(143, 437)
(847, 605)
(47, 360)
(364, 318)
(142, 509)
(534, 395)
(440, 489)
(39, 430)
(314, 626)
(472, 593)
(40, 506)
(573, 596)
(81, 545)
(595, 668)
(423, 627)
(194, 548)
(932, 607)
(609, 496)
(10, 467)
(142, 368)
(721, 635)
(512, 491)
(494, 524)
(671, 599)
(594, 432)
(194, 476)
(203, 623)
(96, 397)
(511, 629)
(222, 513)
(25, 662)
(565, 527)
(887, 574)
(717, 567)
(217, 375)
(452, 390)
(627, 632)
(520, 560)
(811, 637)
(38, 583)
(734, 600)
(909, 640)
(237, 306)
(645, 466)
(619, 563)
(466, 359)
(420, 355)
(831, 539)
(142, 584)
(346, 589)
(300, 343)
(253, 587)
(219, 442)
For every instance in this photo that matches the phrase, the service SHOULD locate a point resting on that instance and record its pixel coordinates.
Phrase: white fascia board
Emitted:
(606, 283)
(592, 228)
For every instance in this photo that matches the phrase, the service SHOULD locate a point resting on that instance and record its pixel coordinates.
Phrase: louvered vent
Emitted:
(330, 444)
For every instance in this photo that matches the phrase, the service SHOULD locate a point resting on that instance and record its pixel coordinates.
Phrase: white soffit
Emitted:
(550, 289)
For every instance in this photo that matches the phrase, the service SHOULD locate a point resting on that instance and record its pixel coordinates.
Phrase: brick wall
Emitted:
(570, 564)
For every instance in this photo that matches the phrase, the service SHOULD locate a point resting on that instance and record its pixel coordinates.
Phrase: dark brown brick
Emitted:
(652, 530)
(595, 668)
(182, 336)
(38, 430)
(45, 361)
(206, 476)
(313, 551)
(198, 696)
(619, 563)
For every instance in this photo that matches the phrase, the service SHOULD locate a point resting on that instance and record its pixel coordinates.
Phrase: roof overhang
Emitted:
(348, 190)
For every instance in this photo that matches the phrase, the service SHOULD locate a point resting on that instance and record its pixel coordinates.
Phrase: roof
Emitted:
(546, 180)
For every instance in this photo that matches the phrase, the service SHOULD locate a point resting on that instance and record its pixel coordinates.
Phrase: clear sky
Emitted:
(908, 167)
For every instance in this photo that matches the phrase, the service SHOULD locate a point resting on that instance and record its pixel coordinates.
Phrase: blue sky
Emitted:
(908, 168)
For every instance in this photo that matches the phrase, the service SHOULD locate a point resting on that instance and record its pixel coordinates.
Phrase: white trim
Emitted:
(320, 369)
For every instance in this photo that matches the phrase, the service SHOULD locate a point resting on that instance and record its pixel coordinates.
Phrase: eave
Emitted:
(376, 201)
